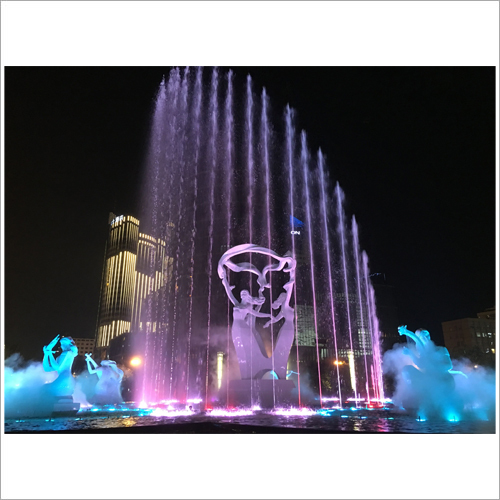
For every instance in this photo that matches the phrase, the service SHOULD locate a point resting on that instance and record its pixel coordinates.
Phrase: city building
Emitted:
(128, 277)
(473, 338)
(84, 346)
(148, 248)
(306, 333)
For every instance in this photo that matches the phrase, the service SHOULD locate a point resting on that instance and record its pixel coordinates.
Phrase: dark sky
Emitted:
(413, 149)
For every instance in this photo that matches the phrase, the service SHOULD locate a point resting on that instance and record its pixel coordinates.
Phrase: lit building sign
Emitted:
(117, 219)
(294, 232)
(296, 223)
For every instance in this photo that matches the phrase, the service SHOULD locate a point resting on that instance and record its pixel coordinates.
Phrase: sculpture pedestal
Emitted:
(260, 393)
(65, 406)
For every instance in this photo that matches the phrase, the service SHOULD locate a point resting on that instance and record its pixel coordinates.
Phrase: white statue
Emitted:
(252, 356)
(107, 390)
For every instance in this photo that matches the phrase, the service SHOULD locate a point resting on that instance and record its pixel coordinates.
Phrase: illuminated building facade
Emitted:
(127, 279)
(306, 333)
(147, 250)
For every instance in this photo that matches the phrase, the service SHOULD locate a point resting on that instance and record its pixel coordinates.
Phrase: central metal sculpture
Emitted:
(255, 360)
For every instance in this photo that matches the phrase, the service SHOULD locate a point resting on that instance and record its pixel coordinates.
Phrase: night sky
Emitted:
(412, 147)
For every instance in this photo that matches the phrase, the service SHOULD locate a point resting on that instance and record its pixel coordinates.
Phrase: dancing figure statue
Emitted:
(64, 384)
(107, 389)
(253, 358)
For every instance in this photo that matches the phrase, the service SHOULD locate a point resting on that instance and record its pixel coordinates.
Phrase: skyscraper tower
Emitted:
(118, 280)
(135, 265)
(153, 269)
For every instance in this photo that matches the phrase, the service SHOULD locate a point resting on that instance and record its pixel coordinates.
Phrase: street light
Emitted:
(136, 361)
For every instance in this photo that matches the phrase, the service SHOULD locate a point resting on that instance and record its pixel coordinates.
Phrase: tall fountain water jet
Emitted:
(250, 181)
(196, 129)
(180, 213)
(228, 174)
(375, 337)
(289, 148)
(361, 324)
(219, 178)
(213, 155)
(321, 168)
(304, 160)
(265, 159)
(341, 231)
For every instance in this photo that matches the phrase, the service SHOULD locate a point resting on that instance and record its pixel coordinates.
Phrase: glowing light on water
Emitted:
(195, 401)
(293, 412)
(162, 412)
(229, 413)
(325, 413)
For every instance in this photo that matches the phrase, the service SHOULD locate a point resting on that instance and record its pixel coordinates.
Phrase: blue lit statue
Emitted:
(430, 376)
(107, 390)
(64, 384)
(426, 357)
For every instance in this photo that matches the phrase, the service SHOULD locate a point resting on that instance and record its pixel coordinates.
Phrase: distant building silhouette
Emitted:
(472, 338)
(84, 345)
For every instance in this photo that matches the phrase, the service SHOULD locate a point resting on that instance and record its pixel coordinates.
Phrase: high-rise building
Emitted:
(127, 278)
(306, 333)
(151, 261)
